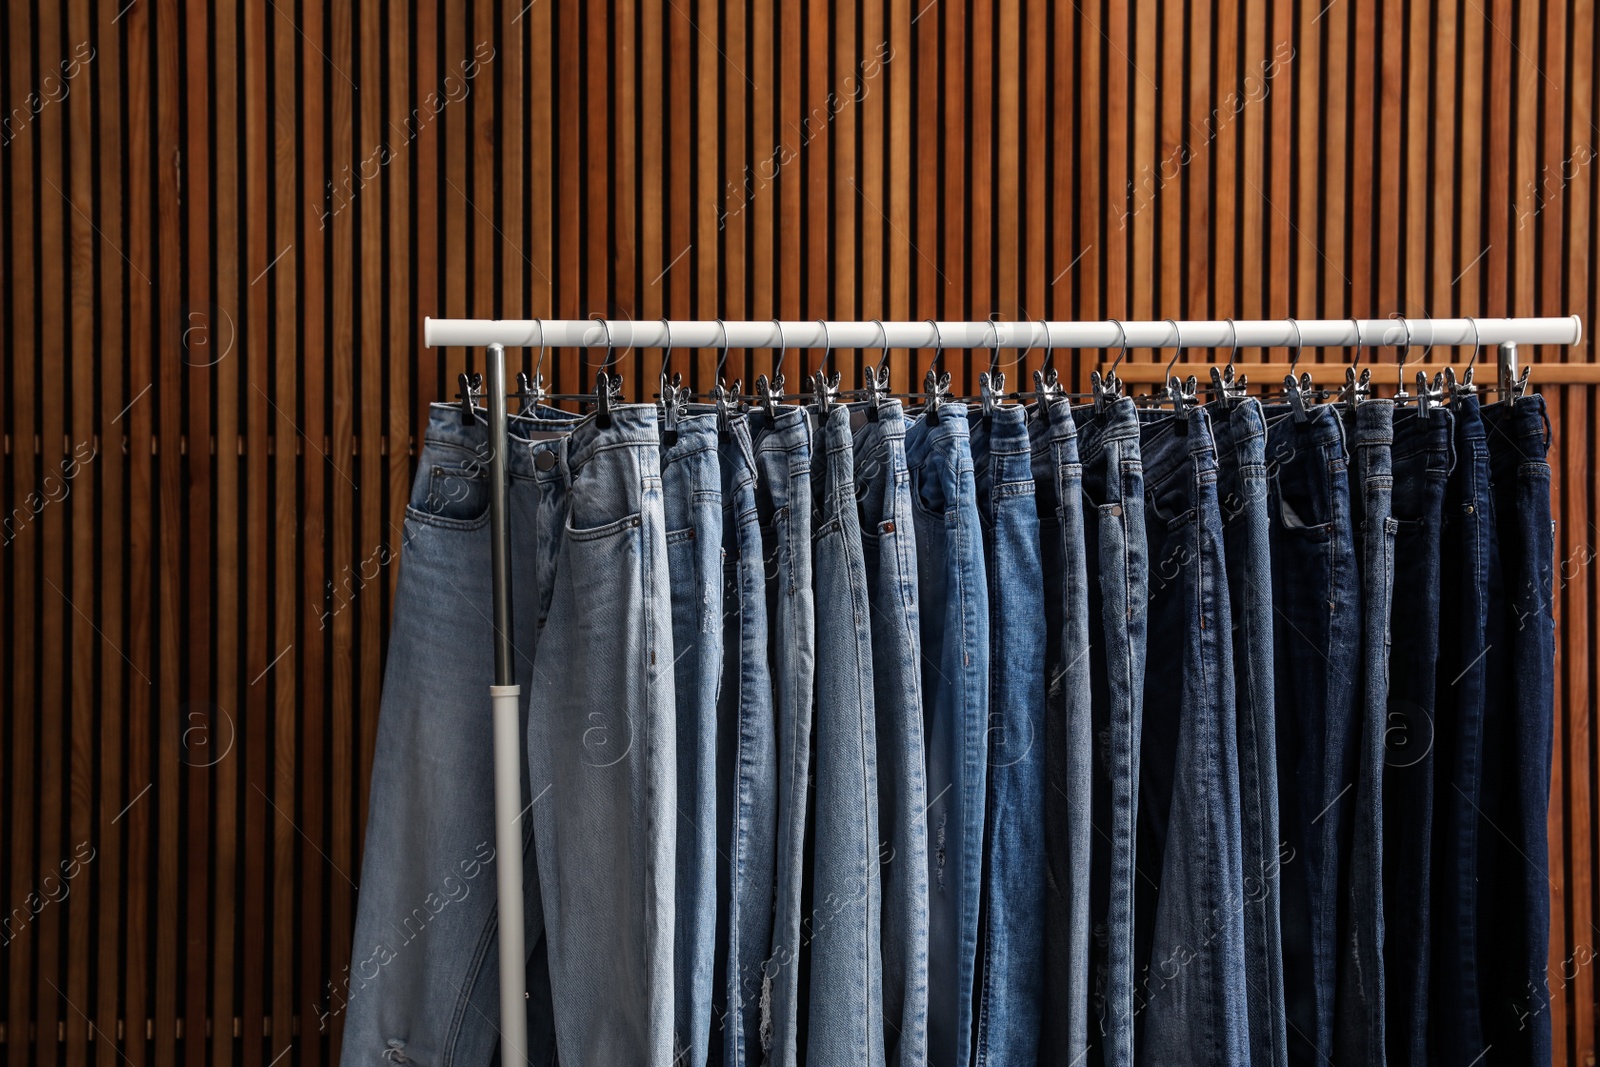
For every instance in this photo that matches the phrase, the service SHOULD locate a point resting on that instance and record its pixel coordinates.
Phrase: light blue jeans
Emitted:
(1011, 989)
(424, 970)
(1068, 735)
(691, 480)
(783, 501)
(955, 686)
(747, 766)
(602, 751)
(888, 540)
(845, 1023)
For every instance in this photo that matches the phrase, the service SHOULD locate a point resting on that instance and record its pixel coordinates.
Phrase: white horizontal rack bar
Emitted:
(1218, 333)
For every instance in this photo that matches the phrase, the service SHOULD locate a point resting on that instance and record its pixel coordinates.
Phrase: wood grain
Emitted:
(233, 216)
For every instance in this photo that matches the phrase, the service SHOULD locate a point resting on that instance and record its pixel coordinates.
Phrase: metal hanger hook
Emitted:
(539, 364)
(606, 326)
(1294, 360)
(938, 341)
(1234, 350)
(1405, 353)
(1177, 349)
(827, 347)
(994, 347)
(1477, 346)
(783, 350)
(723, 361)
(1123, 353)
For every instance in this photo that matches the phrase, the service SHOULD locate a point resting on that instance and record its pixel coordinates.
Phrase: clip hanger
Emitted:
(531, 391)
(673, 397)
(936, 383)
(1428, 397)
(992, 391)
(607, 386)
(1046, 388)
(471, 386)
(1513, 385)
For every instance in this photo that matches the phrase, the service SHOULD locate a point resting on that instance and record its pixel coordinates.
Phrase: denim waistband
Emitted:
(1060, 427)
(1322, 430)
(1371, 423)
(891, 423)
(696, 433)
(632, 426)
(1431, 437)
(1523, 422)
(784, 430)
(446, 428)
(1120, 423)
(1004, 432)
(1233, 431)
(952, 422)
(1165, 453)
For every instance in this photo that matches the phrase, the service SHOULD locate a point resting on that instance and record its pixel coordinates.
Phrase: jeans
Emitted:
(845, 1023)
(747, 766)
(1116, 562)
(602, 750)
(1068, 735)
(1193, 988)
(1316, 641)
(888, 542)
(691, 483)
(955, 676)
(425, 960)
(1359, 1012)
(1241, 438)
(1422, 460)
(782, 442)
(1010, 992)
(1514, 861)
(1466, 558)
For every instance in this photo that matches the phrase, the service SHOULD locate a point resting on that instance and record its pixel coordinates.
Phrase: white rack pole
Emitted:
(505, 703)
(1245, 333)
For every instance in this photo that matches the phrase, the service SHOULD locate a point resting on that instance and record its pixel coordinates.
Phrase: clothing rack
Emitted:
(495, 335)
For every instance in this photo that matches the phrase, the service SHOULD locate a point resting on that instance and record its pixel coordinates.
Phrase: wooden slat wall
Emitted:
(222, 222)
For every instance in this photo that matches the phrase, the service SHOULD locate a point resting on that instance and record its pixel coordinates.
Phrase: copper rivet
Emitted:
(888, 527)
(1116, 509)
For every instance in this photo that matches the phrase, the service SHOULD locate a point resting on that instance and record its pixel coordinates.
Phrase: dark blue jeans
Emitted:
(1316, 640)
(1241, 437)
(1514, 910)
(1359, 1012)
(1423, 448)
(1466, 559)
(1189, 898)
(1115, 555)
(1010, 1001)
(1068, 734)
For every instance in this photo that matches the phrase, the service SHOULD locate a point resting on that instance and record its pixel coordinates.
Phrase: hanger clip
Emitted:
(673, 396)
(992, 391)
(1513, 385)
(1459, 389)
(937, 388)
(769, 393)
(1357, 388)
(727, 402)
(1228, 388)
(1429, 397)
(1107, 390)
(471, 386)
(824, 392)
(531, 391)
(607, 388)
(1183, 393)
(1046, 388)
(876, 388)
(1297, 392)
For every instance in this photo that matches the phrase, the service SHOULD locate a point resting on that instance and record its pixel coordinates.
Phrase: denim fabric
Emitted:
(602, 750)
(845, 1021)
(747, 766)
(1116, 561)
(1513, 860)
(782, 442)
(691, 491)
(1466, 559)
(888, 541)
(1359, 1009)
(1010, 990)
(955, 677)
(1422, 459)
(1068, 735)
(1241, 437)
(424, 968)
(1192, 986)
(1316, 642)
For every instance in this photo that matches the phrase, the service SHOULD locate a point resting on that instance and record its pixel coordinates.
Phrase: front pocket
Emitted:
(596, 533)
(451, 498)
